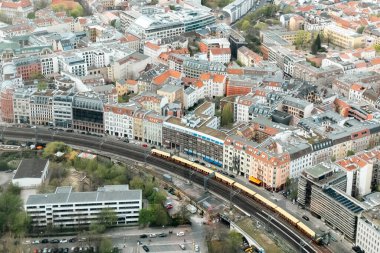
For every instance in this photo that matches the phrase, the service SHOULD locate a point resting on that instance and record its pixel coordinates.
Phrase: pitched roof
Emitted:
(152, 46)
(159, 80)
(357, 87)
(15, 5)
(219, 51)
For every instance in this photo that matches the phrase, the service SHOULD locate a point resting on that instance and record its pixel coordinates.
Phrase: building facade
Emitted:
(65, 208)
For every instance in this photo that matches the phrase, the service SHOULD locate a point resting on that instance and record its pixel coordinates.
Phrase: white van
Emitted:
(181, 233)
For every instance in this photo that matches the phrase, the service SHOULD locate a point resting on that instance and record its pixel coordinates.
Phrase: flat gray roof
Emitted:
(66, 196)
(30, 168)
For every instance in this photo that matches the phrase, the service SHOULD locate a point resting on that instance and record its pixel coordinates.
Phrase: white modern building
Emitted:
(65, 208)
(62, 109)
(368, 231)
(31, 173)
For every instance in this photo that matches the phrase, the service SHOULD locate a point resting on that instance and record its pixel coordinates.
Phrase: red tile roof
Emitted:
(219, 51)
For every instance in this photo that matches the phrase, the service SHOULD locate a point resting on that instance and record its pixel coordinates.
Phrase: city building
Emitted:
(68, 209)
(28, 67)
(322, 190)
(368, 232)
(239, 8)
(118, 120)
(88, 113)
(196, 134)
(62, 109)
(247, 57)
(21, 105)
(16, 9)
(41, 108)
(222, 55)
(31, 173)
(343, 37)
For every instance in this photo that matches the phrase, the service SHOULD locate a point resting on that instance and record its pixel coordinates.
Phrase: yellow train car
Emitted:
(286, 215)
(224, 179)
(245, 189)
(182, 161)
(265, 201)
(306, 230)
(202, 169)
(160, 153)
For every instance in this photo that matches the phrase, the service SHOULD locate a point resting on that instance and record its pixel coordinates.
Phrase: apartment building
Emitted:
(21, 106)
(15, 9)
(68, 209)
(88, 113)
(322, 190)
(171, 92)
(368, 230)
(239, 8)
(222, 55)
(151, 101)
(152, 128)
(194, 68)
(72, 64)
(49, 64)
(247, 57)
(296, 107)
(196, 134)
(28, 67)
(118, 120)
(62, 109)
(41, 108)
(214, 85)
(343, 37)
(6, 104)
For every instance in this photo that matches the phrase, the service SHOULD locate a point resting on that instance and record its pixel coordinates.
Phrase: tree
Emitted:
(136, 183)
(159, 215)
(105, 245)
(316, 45)
(55, 146)
(350, 153)
(377, 48)
(31, 15)
(42, 85)
(96, 228)
(288, 9)
(227, 115)
(12, 217)
(245, 25)
(107, 217)
(302, 38)
(360, 30)
(145, 217)
(4, 166)
(234, 241)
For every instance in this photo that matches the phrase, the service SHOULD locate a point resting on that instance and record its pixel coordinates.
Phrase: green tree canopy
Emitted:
(107, 217)
(55, 146)
(227, 115)
(105, 246)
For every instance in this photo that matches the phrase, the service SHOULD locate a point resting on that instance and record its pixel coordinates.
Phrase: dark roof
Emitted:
(30, 168)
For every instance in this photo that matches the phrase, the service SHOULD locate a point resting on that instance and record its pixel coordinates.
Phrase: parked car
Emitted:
(73, 240)
(143, 236)
(139, 242)
(145, 145)
(35, 242)
(231, 176)
(169, 206)
(152, 236)
(196, 248)
(145, 248)
(54, 241)
(44, 241)
(63, 241)
(305, 218)
(162, 235)
(181, 233)
(182, 246)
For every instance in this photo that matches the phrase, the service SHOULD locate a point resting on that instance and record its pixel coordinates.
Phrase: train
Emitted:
(243, 189)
